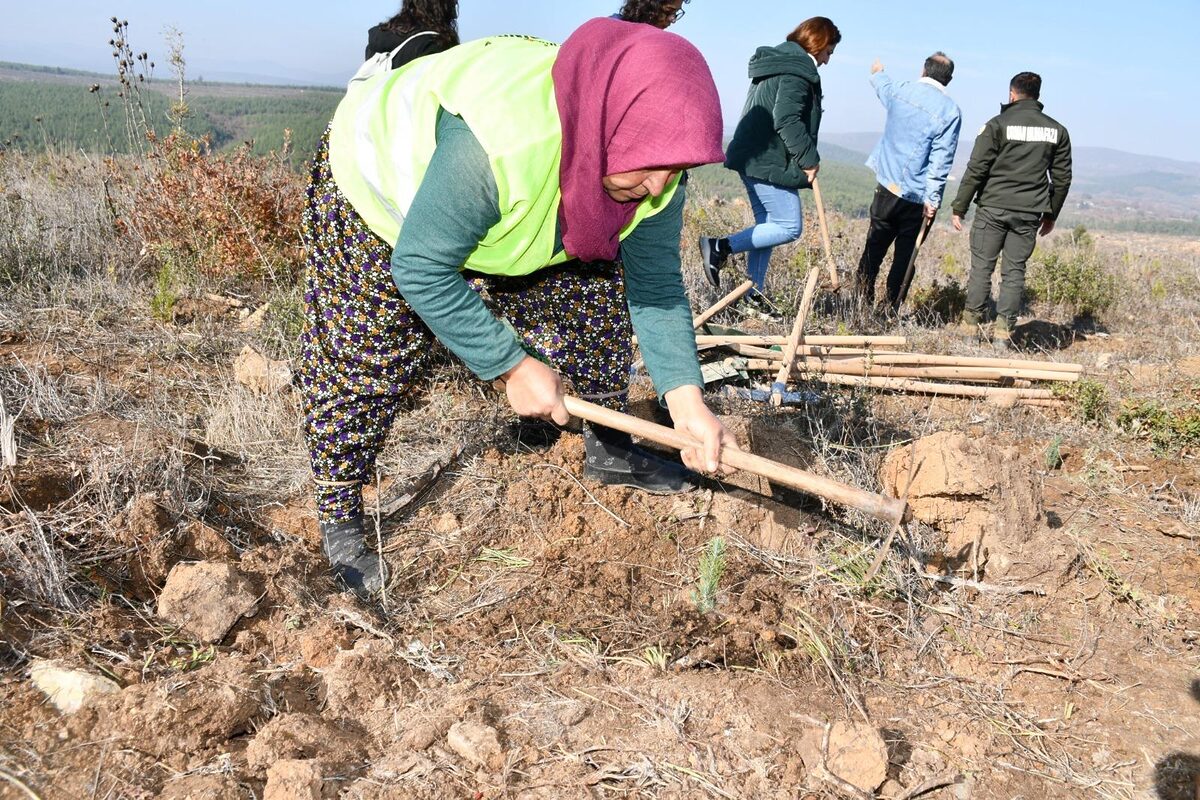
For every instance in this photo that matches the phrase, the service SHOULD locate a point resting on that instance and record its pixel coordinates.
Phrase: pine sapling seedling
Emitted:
(163, 302)
(1053, 455)
(712, 567)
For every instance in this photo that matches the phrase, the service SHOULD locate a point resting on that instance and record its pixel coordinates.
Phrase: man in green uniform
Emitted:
(1019, 175)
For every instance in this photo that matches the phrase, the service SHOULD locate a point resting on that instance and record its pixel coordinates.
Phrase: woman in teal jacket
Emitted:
(774, 149)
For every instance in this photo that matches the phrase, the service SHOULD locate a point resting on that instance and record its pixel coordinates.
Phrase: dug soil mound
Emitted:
(986, 497)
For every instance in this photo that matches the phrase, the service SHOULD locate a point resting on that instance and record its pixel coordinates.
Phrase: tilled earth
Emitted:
(541, 635)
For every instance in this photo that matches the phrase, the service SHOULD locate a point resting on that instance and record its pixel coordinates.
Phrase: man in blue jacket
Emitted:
(911, 163)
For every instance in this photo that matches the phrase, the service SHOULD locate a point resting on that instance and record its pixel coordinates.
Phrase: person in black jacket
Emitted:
(1019, 176)
(423, 27)
(774, 149)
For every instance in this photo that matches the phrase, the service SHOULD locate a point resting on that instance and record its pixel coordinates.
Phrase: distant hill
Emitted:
(42, 106)
(1111, 188)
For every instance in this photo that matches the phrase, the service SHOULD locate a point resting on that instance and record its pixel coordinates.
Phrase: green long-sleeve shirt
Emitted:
(455, 206)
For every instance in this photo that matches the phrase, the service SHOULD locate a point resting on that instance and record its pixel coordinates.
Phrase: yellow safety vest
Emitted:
(384, 134)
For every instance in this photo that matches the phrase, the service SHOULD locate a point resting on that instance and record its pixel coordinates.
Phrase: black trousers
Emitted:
(892, 220)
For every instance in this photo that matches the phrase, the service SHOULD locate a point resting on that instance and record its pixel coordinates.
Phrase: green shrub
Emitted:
(950, 266)
(1089, 397)
(939, 300)
(1169, 430)
(1074, 278)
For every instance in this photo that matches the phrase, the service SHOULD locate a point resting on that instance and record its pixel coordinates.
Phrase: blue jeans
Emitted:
(778, 221)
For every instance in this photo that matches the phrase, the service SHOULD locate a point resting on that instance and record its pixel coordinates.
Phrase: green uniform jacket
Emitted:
(776, 139)
(1021, 162)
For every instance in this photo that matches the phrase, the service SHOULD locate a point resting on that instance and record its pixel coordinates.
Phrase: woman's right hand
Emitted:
(535, 390)
(812, 172)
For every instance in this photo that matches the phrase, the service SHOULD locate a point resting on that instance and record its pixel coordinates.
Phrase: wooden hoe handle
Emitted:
(888, 509)
(833, 276)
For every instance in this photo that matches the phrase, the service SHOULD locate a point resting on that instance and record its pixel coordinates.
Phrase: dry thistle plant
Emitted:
(226, 217)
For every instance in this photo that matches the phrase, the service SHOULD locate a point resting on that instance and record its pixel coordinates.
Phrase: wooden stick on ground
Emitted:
(722, 304)
(923, 359)
(819, 340)
(833, 276)
(867, 365)
(789, 353)
(864, 366)
(888, 509)
(824, 347)
(918, 387)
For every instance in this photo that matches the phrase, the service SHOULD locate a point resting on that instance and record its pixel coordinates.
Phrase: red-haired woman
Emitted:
(774, 149)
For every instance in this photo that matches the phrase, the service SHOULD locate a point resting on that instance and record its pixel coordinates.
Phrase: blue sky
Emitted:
(1114, 72)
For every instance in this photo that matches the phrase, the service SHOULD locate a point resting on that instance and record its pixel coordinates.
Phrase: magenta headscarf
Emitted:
(630, 97)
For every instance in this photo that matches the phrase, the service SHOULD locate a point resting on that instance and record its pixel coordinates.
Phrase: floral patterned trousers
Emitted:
(365, 352)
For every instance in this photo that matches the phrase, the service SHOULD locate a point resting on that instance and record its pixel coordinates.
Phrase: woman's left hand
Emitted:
(693, 417)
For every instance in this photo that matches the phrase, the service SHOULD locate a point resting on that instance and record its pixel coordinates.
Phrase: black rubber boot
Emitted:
(614, 460)
(354, 564)
(713, 255)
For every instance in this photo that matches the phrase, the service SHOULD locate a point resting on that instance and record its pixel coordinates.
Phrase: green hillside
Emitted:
(56, 109)
(844, 186)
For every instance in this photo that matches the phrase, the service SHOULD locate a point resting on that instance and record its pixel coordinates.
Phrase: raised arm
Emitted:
(885, 88)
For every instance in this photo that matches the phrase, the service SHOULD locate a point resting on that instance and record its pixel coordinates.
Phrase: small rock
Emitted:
(930, 760)
(259, 373)
(420, 738)
(293, 780)
(985, 496)
(299, 736)
(1004, 398)
(477, 744)
(206, 599)
(68, 689)
(363, 684)
(445, 524)
(253, 321)
(857, 755)
(891, 789)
